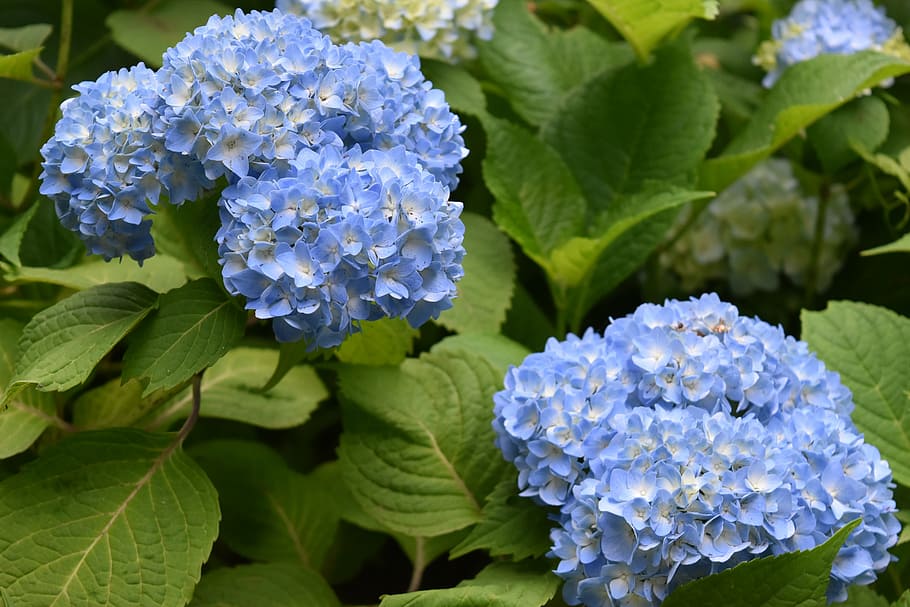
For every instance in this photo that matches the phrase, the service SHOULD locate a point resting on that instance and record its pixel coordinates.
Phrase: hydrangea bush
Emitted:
(272, 335)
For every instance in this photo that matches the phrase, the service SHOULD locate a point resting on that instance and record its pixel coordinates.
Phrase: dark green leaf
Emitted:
(101, 511)
(61, 345)
(194, 326)
(511, 526)
(863, 121)
(624, 129)
(417, 451)
(148, 33)
(187, 233)
(272, 585)
(869, 346)
(795, 578)
(485, 292)
(271, 513)
(11, 240)
(535, 67)
(498, 585)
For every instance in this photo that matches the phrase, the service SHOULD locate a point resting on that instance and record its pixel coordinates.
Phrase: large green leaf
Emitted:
(11, 239)
(645, 22)
(498, 585)
(536, 67)
(194, 326)
(538, 201)
(187, 233)
(18, 66)
(26, 37)
(498, 350)
(106, 518)
(869, 346)
(29, 412)
(271, 513)
(485, 292)
(147, 33)
(161, 273)
(381, 342)
(111, 405)
(271, 585)
(803, 94)
(231, 389)
(863, 596)
(511, 526)
(463, 91)
(61, 345)
(795, 578)
(624, 129)
(863, 121)
(417, 451)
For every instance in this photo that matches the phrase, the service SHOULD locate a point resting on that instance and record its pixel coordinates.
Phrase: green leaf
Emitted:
(463, 91)
(11, 240)
(645, 22)
(148, 33)
(417, 451)
(795, 578)
(538, 202)
(803, 94)
(863, 121)
(498, 350)
(270, 513)
(536, 67)
(160, 273)
(194, 326)
(869, 346)
(30, 412)
(101, 512)
(46, 242)
(381, 342)
(26, 37)
(903, 600)
(18, 66)
(511, 526)
(901, 245)
(485, 292)
(498, 585)
(863, 596)
(272, 585)
(623, 129)
(61, 345)
(187, 233)
(111, 405)
(231, 389)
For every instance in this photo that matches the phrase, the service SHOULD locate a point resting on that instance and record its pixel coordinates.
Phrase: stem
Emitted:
(187, 426)
(824, 196)
(66, 36)
(419, 564)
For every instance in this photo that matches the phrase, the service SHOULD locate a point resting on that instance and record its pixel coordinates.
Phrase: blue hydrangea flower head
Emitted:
(105, 166)
(759, 230)
(340, 237)
(819, 27)
(245, 93)
(687, 439)
(441, 29)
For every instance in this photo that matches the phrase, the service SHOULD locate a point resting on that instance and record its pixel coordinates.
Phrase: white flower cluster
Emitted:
(758, 229)
(440, 29)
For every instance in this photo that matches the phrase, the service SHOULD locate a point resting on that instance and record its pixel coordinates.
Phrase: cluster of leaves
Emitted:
(368, 474)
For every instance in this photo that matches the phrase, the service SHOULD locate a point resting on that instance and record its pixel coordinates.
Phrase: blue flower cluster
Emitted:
(685, 440)
(105, 164)
(341, 238)
(819, 27)
(441, 29)
(338, 161)
(244, 94)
